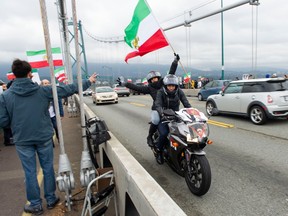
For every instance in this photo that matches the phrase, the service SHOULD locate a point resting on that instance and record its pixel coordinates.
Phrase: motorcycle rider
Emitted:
(155, 82)
(168, 97)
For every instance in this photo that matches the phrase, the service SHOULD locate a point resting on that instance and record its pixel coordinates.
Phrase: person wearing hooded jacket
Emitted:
(168, 97)
(155, 82)
(24, 106)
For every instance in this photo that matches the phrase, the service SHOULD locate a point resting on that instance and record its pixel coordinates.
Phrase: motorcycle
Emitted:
(188, 135)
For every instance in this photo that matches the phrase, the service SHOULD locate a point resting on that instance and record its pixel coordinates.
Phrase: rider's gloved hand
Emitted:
(120, 81)
(177, 57)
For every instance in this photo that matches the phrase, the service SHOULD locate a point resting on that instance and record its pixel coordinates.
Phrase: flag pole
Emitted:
(165, 36)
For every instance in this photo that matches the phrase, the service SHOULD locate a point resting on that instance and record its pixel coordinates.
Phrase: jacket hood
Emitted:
(24, 87)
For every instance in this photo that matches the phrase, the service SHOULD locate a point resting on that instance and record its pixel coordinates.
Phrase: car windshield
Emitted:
(106, 89)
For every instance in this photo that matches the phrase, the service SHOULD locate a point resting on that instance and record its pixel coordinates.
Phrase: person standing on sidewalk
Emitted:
(24, 106)
(52, 111)
(8, 139)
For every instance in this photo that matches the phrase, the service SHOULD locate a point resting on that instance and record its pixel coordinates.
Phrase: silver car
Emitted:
(259, 99)
(121, 90)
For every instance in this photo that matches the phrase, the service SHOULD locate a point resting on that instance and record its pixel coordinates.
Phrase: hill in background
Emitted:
(110, 72)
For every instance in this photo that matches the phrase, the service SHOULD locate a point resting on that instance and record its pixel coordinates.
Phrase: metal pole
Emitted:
(83, 50)
(87, 172)
(222, 42)
(186, 22)
(51, 67)
(65, 179)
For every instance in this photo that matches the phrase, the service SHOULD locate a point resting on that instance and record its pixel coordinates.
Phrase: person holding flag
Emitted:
(155, 82)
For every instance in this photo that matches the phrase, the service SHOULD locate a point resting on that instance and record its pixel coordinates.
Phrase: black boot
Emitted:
(159, 156)
(152, 130)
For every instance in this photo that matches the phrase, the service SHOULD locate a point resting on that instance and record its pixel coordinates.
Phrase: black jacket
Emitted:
(152, 88)
(167, 100)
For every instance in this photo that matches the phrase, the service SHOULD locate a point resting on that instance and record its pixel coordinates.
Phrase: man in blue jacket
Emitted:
(24, 107)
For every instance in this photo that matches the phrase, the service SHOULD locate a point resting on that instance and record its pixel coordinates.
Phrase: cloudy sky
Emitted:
(199, 46)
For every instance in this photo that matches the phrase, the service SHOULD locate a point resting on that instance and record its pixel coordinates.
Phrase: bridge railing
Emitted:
(137, 192)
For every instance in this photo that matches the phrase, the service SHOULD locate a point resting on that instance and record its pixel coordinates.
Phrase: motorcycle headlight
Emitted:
(197, 131)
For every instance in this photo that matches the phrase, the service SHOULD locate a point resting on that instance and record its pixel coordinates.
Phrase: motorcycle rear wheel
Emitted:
(199, 179)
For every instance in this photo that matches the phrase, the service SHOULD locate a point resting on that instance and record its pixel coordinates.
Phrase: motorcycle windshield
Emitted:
(197, 131)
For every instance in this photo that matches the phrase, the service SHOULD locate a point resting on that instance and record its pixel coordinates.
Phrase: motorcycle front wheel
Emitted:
(198, 175)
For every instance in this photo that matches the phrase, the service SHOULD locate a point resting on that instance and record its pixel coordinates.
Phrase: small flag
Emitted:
(39, 59)
(143, 33)
(10, 75)
(187, 77)
(144, 81)
(60, 74)
(35, 76)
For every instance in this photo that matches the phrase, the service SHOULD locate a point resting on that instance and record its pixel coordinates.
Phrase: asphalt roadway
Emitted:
(12, 185)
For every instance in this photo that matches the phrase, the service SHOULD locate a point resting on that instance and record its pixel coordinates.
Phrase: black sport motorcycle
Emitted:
(188, 135)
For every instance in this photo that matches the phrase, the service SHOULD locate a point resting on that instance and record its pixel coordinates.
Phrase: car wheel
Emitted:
(127, 95)
(200, 97)
(209, 108)
(116, 102)
(257, 115)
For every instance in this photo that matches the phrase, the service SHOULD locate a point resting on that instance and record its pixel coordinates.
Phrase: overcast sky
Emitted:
(199, 46)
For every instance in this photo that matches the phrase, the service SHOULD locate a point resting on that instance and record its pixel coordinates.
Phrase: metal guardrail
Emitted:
(137, 192)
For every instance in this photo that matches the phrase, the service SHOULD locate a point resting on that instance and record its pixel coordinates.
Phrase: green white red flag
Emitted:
(35, 78)
(144, 81)
(187, 77)
(60, 74)
(143, 33)
(39, 59)
(10, 75)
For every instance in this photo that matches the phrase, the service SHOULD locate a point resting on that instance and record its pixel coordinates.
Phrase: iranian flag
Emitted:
(144, 81)
(10, 75)
(60, 74)
(35, 76)
(39, 59)
(187, 77)
(143, 33)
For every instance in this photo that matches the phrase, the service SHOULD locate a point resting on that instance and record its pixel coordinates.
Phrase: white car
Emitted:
(104, 94)
(259, 99)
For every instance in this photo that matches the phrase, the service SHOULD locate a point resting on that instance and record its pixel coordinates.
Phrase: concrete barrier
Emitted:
(137, 192)
(191, 92)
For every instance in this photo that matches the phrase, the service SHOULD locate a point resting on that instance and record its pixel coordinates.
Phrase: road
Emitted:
(248, 162)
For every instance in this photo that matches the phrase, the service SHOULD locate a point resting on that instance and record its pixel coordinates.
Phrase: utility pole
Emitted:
(222, 42)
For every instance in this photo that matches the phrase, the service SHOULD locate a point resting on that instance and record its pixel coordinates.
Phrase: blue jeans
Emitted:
(27, 155)
(163, 131)
(155, 118)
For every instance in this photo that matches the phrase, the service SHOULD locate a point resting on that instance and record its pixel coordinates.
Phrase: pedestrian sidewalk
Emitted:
(12, 181)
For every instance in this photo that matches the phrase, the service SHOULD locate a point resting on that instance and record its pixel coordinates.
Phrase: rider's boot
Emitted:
(159, 156)
(152, 130)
